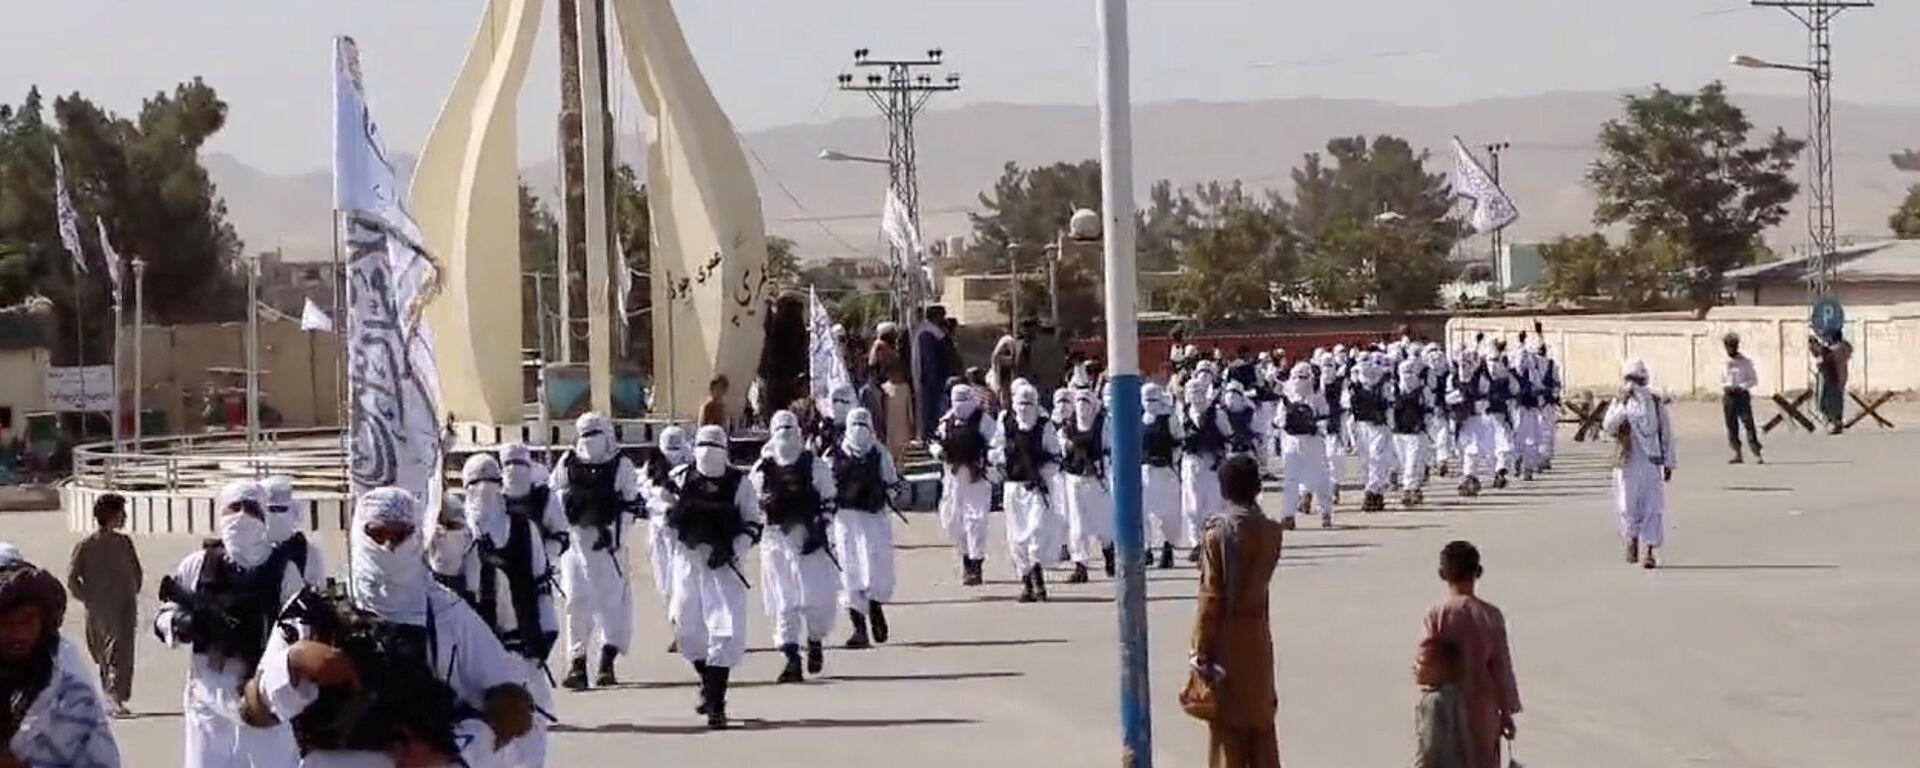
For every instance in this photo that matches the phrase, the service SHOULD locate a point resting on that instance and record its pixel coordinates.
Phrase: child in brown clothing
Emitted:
(105, 576)
(1441, 737)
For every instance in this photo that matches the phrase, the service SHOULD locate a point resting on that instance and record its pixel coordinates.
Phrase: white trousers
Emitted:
(1548, 432)
(801, 591)
(217, 739)
(964, 503)
(530, 750)
(1030, 539)
(1526, 437)
(599, 597)
(1640, 496)
(709, 609)
(864, 541)
(1160, 500)
(1058, 528)
(1303, 467)
(1475, 436)
(1376, 455)
(1263, 448)
(1440, 428)
(1089, 514)
(661, 550)
(1199, 494)
(1503, 440)
(1412, 449)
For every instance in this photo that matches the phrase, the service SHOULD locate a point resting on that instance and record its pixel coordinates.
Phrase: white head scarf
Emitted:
(1300, 382)
(843, 400)
(244, 532)
(963, 400)
(710, 457)
(675, 446)
(1234, 397)
(10, 554)
(1062, 405)
(486, 506)
(1026, 406)
(282, 521)
(858, 438)
(1635, 369)
(594, 439)
(784, 442)
(1086, 410)
(1153, 401)
(389, 583)
(516, 469)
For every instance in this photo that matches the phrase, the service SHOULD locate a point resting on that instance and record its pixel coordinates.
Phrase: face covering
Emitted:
(784, 443)
(516, 470)
(282, 521)
(859, 437)
(447, 551)
(963, 401)
(675, 448)
(389, 583)
(1085, 410)
(245, 537)
(486, 505)
(595, 443)
(1026, 408)
(710, 451)
(842, 404)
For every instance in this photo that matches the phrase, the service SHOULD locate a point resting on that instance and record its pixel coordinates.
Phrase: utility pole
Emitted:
(573, 192)
(1493, 153)
(1818, 16)
(900, 90)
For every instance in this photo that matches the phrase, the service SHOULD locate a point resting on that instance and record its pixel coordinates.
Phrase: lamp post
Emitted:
(836, 156)
(903, 281)
(1123, 356)
(139, 323)
(253, 353)
(1818, 17)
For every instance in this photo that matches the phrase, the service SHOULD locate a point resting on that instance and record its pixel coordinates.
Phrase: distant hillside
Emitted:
(962, 150)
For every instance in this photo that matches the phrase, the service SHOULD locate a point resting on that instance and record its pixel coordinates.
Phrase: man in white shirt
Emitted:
(1737, 382)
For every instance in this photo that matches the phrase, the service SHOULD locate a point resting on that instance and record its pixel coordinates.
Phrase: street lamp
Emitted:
(837, 156)
(1754, 62)
(253, 350)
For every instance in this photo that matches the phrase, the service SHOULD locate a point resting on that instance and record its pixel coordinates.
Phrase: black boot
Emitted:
(1499, 479)
(715, 695)
(816, 657)
(1166, 555)
(972, 576)
(576, 679)
(700, 698)
(877, 617)
(1039, 584)
(859, 638)
(1079, 574)
(1106, 555)
(791, 674)
(606, 678)
(1193, 555)
(1026, 587)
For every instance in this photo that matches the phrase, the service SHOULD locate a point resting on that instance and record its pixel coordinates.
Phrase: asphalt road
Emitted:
(1782, 631)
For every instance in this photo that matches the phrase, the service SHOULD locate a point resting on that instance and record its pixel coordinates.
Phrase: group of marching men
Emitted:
(1403, 408)
(432, 647)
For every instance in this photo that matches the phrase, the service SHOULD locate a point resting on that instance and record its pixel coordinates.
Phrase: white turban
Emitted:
(1634, 369)
(485, 507)
(675, 446)
(963, 400)
(784, 442)
(244, 534)
(389, 583)
(859, 437)
(516, 469)
(710, 454)
(282, 521)
(594, 439)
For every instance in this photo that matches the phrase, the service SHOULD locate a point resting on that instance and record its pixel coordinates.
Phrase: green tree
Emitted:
(1678, 169)
(1165, 227)
(861, 310)
(1353, 256)
(783, 265)
(1587, 269)
(1236, 249)
(142, 176)
(539, 255)
(1905, 221)
(1028, 208)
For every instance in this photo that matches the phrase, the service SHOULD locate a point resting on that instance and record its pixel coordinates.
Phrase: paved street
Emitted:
(1782, 632)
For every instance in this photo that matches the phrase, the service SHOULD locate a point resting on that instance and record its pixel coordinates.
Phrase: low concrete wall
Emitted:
(1686, 357)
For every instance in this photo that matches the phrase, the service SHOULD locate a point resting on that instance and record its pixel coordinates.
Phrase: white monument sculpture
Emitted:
(708, 246)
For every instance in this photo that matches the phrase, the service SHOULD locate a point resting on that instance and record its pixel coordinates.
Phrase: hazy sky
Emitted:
(772, 62)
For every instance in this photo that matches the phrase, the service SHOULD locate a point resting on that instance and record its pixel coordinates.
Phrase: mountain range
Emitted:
(832, 209)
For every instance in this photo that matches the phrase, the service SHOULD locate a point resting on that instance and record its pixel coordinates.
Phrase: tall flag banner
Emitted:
(112, 257)
(69, 218)
(393, 388)
(826, 366)
(312, 318)
(897, 223)
(1492, 209)
(623, 274)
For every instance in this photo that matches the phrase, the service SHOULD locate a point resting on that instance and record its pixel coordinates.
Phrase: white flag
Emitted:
(392, 385)
(69, 218)
(112, 257)
(897, 223)
(825, 365)
(1492, 209)
(624, 275)
(312, 318)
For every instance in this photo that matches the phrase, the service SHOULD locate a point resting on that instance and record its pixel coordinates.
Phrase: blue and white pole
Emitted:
(1123, 362)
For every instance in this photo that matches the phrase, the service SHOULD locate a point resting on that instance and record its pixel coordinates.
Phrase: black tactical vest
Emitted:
(1084, 449)
(1157, 444)
(1241, 438)
(1298, 419)
(793, 500)
(234, 608)
(400, 696)
(1410, 413)
(1369, 405)
(593, 496)
(857, 482)
(1204, 437)
(707, 514)
(1026, 449)
(963, 446)
(512, 561)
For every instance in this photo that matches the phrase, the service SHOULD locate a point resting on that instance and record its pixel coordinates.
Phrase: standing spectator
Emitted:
(1480, 631)
(714, 411)
(885, 352)
(52, 715)
(1737, 383)
(1232, 634)
(869, 389)
(1831, 354)
(104, 575)
(931, 367)
(1002, 365)
(899, 410)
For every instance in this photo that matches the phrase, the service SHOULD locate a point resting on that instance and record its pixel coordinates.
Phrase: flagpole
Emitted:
(80, 347)
(139, 323)
(119, 318)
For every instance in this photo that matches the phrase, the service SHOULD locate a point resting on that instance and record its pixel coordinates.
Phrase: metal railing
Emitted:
(312, 456)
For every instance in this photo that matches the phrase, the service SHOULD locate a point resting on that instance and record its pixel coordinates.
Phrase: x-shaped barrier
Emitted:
(1790, 410)
(1587, 413)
